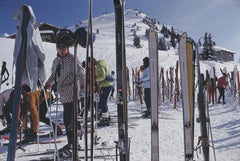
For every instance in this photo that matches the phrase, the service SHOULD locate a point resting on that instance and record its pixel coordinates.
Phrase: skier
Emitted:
(62, 73)
(221, 85)
(104, 85)
(30, 103)
(145, 82)
(113, 85)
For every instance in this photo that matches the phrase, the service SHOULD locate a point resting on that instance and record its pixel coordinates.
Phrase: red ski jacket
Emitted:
(222, 82)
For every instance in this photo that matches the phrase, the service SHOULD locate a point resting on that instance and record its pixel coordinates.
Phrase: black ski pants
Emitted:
(67, 119)
(103, 102)
(147, 98)
(221, 94)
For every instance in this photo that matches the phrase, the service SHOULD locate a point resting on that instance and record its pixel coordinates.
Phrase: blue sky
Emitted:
(218, 17)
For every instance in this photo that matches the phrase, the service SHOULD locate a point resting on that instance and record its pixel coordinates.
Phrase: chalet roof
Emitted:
(218, 48)
(42, 26)
(47, 26)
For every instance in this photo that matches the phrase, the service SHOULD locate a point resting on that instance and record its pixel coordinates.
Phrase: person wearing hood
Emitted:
(145, 82)
(104, 86)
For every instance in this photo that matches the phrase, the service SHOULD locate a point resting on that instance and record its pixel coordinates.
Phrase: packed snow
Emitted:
(225, 119)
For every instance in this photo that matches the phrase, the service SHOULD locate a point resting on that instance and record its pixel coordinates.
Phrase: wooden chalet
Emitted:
(47, 31)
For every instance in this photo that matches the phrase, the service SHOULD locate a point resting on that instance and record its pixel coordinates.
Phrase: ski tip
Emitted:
(184, 35)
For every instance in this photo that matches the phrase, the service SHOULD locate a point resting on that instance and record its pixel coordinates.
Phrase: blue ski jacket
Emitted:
(145, 78)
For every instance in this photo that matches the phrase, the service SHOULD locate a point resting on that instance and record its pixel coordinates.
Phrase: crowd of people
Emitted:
(36, 101)
(212, 84)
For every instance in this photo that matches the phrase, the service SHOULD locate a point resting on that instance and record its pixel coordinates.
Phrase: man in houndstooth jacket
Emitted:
(62, 74)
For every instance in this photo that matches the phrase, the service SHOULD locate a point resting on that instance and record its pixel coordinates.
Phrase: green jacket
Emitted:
(101, 72)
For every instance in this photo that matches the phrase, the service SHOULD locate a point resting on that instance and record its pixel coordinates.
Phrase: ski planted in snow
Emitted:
(215, 85)
(121, 68)
(4, 74)
(153, 61)
(20, 67)
(139, 90)
(91, 82)
(186, 60)
(163, 83)
(176, 92)
(204, 138)
(75, 106)
(171, 80)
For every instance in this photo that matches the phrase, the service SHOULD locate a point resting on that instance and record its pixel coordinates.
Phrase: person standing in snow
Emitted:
(104, 86)
(63, 74)
(221, 85)
(145, 82)
(113, 85)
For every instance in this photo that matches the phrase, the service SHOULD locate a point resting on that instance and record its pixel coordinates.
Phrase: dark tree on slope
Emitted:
(147, 33)
(208, 50)
(173, 36)
(165, 31)
(161, 44)
(136, 41)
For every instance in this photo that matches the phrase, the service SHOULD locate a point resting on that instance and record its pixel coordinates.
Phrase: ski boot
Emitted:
(59, 131)
(104, 122)
(29, 136)
(147, 114)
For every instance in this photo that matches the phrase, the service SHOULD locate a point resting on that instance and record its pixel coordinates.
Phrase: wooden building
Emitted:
(47, 31)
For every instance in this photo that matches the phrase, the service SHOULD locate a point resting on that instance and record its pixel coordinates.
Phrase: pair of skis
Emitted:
(122, 110)
(123, 142)
(89, 87)
(187, 62)
(154, 81)
(187, 69)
